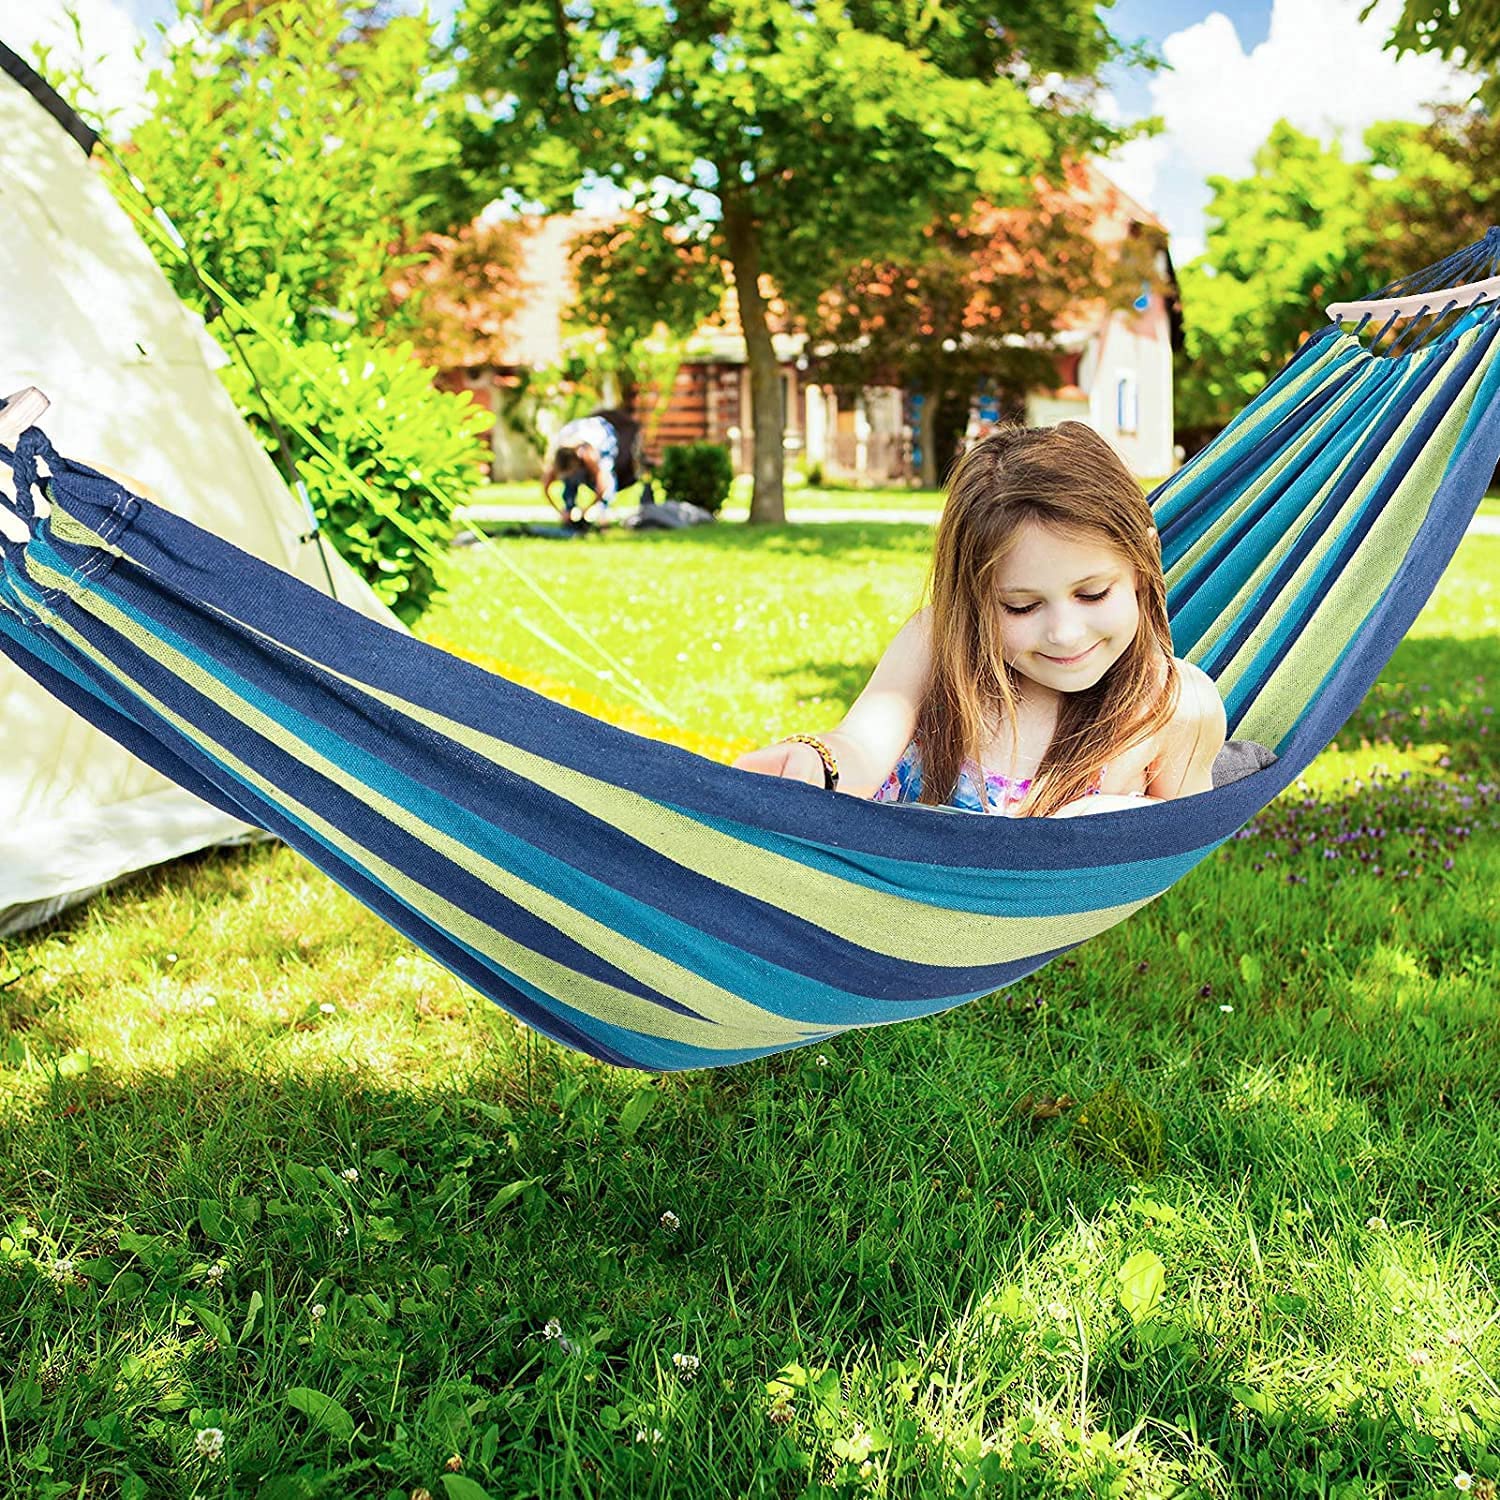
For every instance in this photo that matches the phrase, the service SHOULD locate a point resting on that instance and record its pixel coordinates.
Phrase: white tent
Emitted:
(87, 316)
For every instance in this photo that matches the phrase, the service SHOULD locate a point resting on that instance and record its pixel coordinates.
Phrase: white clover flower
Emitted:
(350, 1174)
(670, 1222)
(1059, 1310)
(653, 1438)
(1419, 1357)
(340, 1230)
(61, 1269)
(209, 1442)
(687, 1366)
(328, 1007)
(1462, 1481)
(319, 1312)
(552, 1330)
(1454, 1337)
(822, 1061)
(215, 1273)
(1375, 1223)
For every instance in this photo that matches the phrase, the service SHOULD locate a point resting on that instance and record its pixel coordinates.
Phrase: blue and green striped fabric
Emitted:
(661, 911)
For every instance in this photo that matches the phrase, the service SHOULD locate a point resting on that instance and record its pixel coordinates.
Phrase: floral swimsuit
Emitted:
(904, 784)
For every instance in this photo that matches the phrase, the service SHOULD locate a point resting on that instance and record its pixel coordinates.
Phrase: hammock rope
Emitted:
(659, 910)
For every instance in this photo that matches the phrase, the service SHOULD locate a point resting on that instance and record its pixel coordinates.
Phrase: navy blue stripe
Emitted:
(70, 684)
(348, 812)
(1203, 510)
(197, 566)
(1205, 468)
(757, 942)
(1389, 482)
(1201, 610)
(1311, 535)
(1317, 462)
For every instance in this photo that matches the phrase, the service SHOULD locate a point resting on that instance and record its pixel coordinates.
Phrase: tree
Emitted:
(783, 137)
(1435, 185)
(645, 288)
(1467, 32)
(465, 290)
(983, 302)
(292, 146)
(1279, 240)
(1307, 228)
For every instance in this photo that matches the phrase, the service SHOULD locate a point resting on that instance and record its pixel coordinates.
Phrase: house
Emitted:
(1114, 372)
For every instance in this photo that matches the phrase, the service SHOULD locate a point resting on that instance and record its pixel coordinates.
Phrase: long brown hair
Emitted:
(1068, 478)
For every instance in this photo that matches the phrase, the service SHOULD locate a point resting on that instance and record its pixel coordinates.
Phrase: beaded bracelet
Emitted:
(829, 759)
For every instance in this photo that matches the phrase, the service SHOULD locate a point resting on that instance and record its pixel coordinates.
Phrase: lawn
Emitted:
(1207, 1207)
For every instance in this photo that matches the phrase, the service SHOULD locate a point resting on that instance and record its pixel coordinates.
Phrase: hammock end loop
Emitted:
(22, 446)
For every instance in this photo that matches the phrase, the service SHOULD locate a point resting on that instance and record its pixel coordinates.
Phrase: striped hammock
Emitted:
(662, 911)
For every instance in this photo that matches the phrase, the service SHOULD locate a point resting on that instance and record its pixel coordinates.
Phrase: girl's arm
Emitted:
(1191, 739)
(871, 736)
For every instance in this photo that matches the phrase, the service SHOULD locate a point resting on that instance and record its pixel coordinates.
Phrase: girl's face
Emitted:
(1068, 609)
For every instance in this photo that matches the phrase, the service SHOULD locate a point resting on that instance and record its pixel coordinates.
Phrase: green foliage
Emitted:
(1307, 228)
(1279, 240)
(699, 473)
(774, 140)
(643, 290)
(1466, 30)
(286, 140)
(360, 414)
(1117, 1127)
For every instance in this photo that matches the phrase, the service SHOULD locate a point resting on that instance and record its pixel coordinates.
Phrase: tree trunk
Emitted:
(950, 418)
(927, 435)
(767, 500)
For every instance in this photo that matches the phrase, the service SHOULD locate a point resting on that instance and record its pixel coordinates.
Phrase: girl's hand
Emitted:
(792, 761)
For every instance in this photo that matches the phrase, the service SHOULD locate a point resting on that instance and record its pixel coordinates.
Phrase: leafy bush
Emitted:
(374, 411)
(699, 473)
(294, 145)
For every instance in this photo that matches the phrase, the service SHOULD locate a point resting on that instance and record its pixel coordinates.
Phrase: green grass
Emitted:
(905, 1263)
(740, 634)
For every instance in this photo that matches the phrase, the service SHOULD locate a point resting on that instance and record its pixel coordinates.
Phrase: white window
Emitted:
(1127, 402)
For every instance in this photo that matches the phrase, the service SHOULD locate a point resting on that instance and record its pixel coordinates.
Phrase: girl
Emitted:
(1039, 680)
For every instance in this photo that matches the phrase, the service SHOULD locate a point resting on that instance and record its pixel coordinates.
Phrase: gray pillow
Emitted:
(1241, 758)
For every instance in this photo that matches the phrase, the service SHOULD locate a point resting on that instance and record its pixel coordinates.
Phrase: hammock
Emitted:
(658, 910)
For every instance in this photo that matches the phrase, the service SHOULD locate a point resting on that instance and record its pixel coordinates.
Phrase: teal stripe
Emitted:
(1484, 399)
(797, 996)
(1263, 414)
(983, 890)
(1197, 600)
